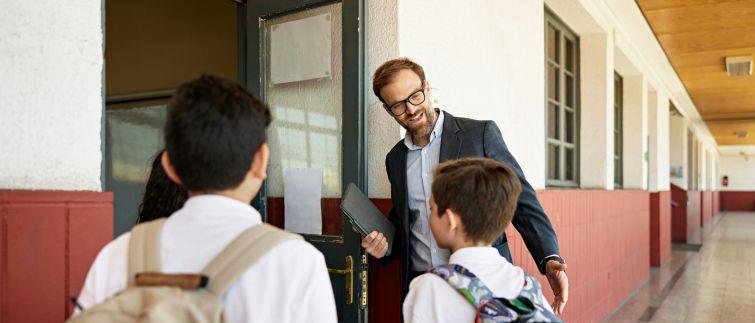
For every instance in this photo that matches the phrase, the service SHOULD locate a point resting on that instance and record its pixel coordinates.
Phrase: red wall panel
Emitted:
(48, 241)
(660, 227)
(694, 217)
(678, 214)
(603, 235)
(738, 200)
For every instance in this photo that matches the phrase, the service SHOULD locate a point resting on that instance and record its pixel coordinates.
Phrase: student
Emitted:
(472, 202)
(215, 148)
(161, 196)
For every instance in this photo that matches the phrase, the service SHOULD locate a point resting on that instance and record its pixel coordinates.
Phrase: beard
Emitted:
(426, 128)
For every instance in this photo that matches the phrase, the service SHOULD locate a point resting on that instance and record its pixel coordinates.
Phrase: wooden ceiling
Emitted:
(697, 36)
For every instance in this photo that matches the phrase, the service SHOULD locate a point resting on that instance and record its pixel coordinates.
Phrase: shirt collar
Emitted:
(437, 132)
(218, 205)
(475, 255)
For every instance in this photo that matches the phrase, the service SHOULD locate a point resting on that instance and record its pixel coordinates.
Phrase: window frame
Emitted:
(564, 33)
(618, 131)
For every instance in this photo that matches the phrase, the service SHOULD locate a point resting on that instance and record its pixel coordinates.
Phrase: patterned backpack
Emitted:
(527, 307)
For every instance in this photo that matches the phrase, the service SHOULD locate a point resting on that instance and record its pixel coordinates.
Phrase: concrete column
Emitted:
(658, 129)
(596, 129)
(635, 132)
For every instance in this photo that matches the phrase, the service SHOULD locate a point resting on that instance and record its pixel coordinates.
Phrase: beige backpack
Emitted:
(155, 297)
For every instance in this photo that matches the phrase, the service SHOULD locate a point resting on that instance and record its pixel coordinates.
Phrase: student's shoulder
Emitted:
(116, 249)
(429, 283)
(298, 249)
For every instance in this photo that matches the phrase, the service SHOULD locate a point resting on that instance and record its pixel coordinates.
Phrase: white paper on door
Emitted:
(302, 193)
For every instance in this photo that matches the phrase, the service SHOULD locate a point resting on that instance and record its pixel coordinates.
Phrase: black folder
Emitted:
(365, 216)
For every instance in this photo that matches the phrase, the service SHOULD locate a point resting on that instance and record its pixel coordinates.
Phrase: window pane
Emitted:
(569, 129)
(569, 51)
(570, 164)
(616, 143)
(553, 121)
(553, 82)
(570, 93)
(553, 162)
(616, 171)
(553, 37)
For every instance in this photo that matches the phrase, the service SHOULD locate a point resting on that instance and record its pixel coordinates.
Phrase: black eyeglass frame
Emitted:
(404, 102)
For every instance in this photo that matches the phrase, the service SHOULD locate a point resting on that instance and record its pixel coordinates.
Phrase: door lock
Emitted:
(348, 280)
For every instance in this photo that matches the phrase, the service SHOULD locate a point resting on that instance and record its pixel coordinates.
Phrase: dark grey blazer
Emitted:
(470, 138)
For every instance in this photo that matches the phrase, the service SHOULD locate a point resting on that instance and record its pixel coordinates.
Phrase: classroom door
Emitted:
(306, 59)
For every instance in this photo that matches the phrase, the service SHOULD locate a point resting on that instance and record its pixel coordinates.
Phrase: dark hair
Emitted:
(162, 197)
(214, 128)
(483, 191)
(385, 73)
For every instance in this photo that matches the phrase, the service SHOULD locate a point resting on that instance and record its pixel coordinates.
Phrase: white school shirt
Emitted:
(432, 299)
(289, 284)
(420, 164)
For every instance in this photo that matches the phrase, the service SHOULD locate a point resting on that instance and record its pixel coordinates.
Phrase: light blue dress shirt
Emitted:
(420, 163)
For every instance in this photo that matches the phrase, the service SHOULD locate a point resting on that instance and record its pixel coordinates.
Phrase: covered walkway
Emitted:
(713, 284)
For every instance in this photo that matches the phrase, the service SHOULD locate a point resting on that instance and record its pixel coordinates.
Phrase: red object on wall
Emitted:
(660, 227)
(603, 235)
(48, 241)
(738, 200)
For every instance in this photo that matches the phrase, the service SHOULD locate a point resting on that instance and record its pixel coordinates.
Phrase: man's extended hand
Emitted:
(375, 244)
(556, 273)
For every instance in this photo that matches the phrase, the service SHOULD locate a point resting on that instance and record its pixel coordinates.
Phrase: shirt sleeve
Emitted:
(317, 298)
(431, 299)
(106, 276)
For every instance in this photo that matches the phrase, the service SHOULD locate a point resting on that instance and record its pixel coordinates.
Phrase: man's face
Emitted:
(419, 119)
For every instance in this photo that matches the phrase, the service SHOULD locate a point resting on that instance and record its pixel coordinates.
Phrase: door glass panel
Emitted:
(307, 112)
(569, 51)
(569, 128)
(553, 73)
(553, 161)
(553, 121)
(553, 37)
(133, 137)
(569, 164)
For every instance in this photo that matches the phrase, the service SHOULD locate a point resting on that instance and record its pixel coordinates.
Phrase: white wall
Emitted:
(741, 172)
(484, 60)
(51, 86)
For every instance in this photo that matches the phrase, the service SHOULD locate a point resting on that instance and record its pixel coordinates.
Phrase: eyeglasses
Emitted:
(399, 107)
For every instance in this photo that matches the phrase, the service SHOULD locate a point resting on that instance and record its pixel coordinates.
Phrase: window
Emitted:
(618, 107)
(561, 103)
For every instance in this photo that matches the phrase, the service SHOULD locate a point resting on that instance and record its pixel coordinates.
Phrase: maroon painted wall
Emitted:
(738, 200)
(603, 235)
(48, 240)
(660, 227)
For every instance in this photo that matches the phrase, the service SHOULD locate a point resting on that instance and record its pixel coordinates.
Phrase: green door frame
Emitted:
(343, 254)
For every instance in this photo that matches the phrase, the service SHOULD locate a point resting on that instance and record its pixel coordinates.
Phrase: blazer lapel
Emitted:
(450, 143)
(404, 193)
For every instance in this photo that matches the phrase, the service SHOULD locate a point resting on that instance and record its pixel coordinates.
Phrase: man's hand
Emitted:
(375, 244)
(556, 273)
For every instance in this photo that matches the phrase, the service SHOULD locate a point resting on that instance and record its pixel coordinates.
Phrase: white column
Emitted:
(635, 131)
(596, 129)
(658, 129)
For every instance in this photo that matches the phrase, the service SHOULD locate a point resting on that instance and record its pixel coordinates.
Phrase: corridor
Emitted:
(714, 284)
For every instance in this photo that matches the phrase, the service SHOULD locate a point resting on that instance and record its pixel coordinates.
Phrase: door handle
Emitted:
(348, 280)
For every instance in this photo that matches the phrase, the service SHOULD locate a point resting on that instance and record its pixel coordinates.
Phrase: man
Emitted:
(432, 137)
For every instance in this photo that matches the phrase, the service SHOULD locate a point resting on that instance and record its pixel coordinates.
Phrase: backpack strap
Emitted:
(465, 282)
(144, 248)
(242, 253)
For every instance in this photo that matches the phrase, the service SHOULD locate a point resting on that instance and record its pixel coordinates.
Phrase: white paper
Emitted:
(302, 193)
(300, 49)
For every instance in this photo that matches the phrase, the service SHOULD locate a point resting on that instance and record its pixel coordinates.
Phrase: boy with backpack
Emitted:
(213, 260)
(473, 200)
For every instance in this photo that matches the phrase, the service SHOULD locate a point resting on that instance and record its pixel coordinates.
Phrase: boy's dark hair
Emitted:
(483, 191)
(161, 197)
(213, 130)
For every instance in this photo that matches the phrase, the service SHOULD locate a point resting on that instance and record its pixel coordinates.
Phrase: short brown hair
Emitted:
(483, 191)
(384, 74)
